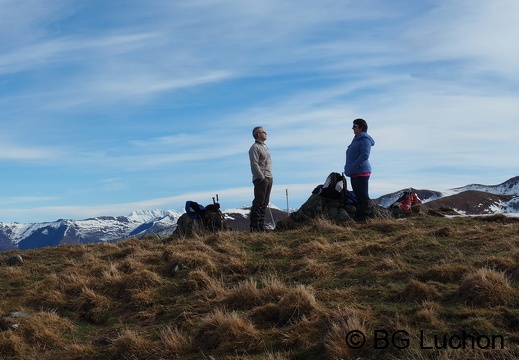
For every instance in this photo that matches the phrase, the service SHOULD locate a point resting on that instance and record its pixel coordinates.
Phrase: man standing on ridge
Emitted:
(261, 167)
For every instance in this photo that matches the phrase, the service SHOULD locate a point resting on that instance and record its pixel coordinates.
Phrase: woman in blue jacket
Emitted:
(358, 167)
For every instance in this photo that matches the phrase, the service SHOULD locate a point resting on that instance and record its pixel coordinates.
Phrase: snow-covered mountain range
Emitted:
(473, 199)
(93, 230)
(469, 199)
(509, 187)
(108, 228)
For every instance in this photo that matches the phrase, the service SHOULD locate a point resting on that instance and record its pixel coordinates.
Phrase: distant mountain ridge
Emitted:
(109, 228)
(92, 230)
(474, 202)
(424, 195)
(473, 199)
(509, 187)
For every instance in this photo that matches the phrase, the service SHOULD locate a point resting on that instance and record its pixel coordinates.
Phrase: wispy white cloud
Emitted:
(164, 94)
(11, 151)
(44, 213)
(26, 199)
(478, 33)
(26, 22)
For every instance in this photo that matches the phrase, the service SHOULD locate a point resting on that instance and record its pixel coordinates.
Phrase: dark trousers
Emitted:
(261, 200)
(360, 186)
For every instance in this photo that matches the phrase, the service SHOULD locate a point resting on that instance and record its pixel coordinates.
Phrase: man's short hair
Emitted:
(255, 131)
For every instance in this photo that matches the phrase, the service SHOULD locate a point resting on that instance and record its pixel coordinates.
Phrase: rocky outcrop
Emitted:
(12, 260)
(317, 206)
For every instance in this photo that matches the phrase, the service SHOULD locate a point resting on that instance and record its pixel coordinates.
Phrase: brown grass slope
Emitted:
(281, 295)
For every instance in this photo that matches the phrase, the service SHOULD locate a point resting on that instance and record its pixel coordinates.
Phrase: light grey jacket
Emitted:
(260, 161)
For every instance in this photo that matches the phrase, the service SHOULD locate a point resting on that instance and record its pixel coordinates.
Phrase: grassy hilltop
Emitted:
(411, 289)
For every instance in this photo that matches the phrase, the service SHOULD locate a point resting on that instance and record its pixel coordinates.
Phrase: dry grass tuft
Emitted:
(48, 293)
(310, 268)
(15, 275)
(416, 291)
(389, 226)
(486, 287)
(322, 224)
(175, 342)
(287, 224)
(111, 280)
(339, 323)
(392, 262)
(276, 356)
(45, 330)
(142, 299)
(429, 315)
(273, 289)
(278, 251)
(198, 280)
(91, 306)
(13, 346)
(446, 273)
(244, 295)
(208, 287)
(314, 247)
(497, 218)
(373, 249)
(297, 303)
(335, 341)
(79, 352)
(188, 260)
(125, 285)
(142, 279)
(499, 263)
(307, 333)
(226, 331)
(443, 232)
(133, 264)
(478, 325)
(480, 354)
(265, 316)
(131, 344)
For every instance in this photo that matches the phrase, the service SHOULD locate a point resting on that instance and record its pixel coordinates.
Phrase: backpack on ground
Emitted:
(194, 209)
(201, 218)
(406, 201)
(334, 187)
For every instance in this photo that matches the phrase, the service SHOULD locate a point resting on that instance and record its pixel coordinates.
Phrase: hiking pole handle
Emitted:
(344, 188)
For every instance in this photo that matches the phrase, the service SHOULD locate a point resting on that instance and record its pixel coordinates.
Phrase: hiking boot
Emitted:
(364, 211)
(255, 229)
(261, 219)
(254, 218)
(361, 219)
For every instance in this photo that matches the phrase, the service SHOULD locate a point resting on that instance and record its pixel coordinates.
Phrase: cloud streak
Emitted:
(157, 100)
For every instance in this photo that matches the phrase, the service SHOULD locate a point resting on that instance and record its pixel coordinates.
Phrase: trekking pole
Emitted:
(344, 188)
(271, 216)
(288, 211)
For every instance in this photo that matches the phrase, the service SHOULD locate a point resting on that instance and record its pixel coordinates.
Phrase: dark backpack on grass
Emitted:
(194, 209)
(199, 218)
(334, 187)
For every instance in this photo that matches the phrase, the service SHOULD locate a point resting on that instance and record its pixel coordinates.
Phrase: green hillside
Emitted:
(417, 288)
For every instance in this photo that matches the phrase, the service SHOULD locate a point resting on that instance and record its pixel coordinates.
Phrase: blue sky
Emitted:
(112, 106)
